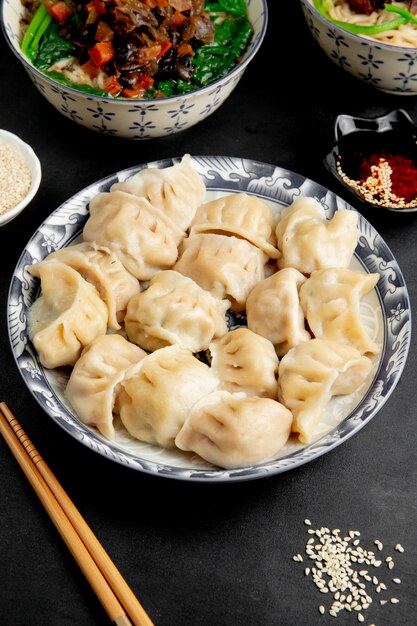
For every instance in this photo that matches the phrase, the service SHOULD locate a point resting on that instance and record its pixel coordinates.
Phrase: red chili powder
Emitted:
(403, 177)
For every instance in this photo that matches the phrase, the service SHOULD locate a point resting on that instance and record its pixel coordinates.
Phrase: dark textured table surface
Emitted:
(209, 554)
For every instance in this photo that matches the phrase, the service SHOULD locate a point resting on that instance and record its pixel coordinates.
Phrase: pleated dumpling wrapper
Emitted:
(157, 394)
(101, 267)
(239, 214)
(314, 371)
(174, 309)
(309, 241)
(233, 430)
(226, 266)
(93, 383)
(331, 300)
(177, 190)
(140, 235)
(68, 315)
(273, 310)
(245, 361)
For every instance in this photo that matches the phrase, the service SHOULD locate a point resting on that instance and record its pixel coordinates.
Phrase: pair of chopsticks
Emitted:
(119, 601)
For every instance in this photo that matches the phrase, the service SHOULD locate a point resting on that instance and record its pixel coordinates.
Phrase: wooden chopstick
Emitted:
(115, 595)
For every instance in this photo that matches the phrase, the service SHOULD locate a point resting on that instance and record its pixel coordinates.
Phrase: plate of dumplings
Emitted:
(209, 318)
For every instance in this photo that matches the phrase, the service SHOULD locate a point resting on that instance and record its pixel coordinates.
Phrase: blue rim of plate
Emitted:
(229, 175)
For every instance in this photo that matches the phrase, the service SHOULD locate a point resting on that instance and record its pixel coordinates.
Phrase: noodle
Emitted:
(404, 36)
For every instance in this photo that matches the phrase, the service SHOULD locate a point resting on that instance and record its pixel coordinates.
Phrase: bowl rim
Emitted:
(25, 150)
(238, 69)
(359, 38)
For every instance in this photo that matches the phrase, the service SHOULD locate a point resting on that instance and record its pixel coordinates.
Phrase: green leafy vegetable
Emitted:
(217, 58)
(53, 48)
(36, 29)
(60, 78)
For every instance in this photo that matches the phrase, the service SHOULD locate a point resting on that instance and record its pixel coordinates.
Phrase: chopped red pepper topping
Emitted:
(403, 177)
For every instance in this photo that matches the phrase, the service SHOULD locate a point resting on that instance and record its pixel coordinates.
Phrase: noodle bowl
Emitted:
(364, 46)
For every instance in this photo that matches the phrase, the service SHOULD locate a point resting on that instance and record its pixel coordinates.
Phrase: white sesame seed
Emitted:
(397, 581)
(390, 564)
(394, 601)
(399, 547)
(15, 178)
(360, 617)
(388, 559)
(382, 602)
(307, 522)
(307, 571)
(322, 609)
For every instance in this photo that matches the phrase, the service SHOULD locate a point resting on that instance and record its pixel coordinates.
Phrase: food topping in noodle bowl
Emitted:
(392, 23)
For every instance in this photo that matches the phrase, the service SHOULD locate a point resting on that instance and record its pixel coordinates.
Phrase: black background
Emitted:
(208, 554)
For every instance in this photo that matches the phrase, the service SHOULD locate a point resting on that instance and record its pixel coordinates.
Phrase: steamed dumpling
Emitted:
(101, 267)
(175, 310)
(273, 310)
(141, 236)
(177, 190)
(66, 317)
(239, 214)
(331, 302)
(308, 241)
(232, 430)
(314, 371)
(226, 266)
(245, 361)
(157, 394)
(92, 386)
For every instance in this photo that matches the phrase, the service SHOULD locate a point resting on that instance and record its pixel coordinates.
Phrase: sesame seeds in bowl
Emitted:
(20, 175)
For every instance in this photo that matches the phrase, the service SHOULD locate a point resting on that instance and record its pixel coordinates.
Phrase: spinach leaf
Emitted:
(237, 8)
(53, 48)
(60, 78)
(214, 60)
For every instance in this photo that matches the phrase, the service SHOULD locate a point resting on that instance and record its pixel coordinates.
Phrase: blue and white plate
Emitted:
(386, 312)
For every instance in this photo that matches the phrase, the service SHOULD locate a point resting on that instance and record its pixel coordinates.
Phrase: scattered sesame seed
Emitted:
(394, 601)
(397, 581)
(390, 564)
(360, 617)
(307, 522)
(382, 602)
(399, 547)
(322, 610)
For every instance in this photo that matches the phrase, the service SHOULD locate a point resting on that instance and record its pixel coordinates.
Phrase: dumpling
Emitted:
(68, 315)
(232, 430)
(157, 394)
(226, 266)
(314, 371)
(308, 241)
(140, 235)
(101, 267)
(273, 310)
(331, 302)
(239, 214)
(175, 310)
(92, 386)
(245, 361)
(177, 190)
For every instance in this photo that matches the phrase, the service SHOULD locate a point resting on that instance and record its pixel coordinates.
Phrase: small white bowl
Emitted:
(30, 159)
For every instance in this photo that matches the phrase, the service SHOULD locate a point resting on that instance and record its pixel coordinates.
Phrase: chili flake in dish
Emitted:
(136, 48)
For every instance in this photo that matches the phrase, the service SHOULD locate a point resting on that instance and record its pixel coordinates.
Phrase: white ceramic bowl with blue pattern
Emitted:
(386, 67)
(135, 119)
